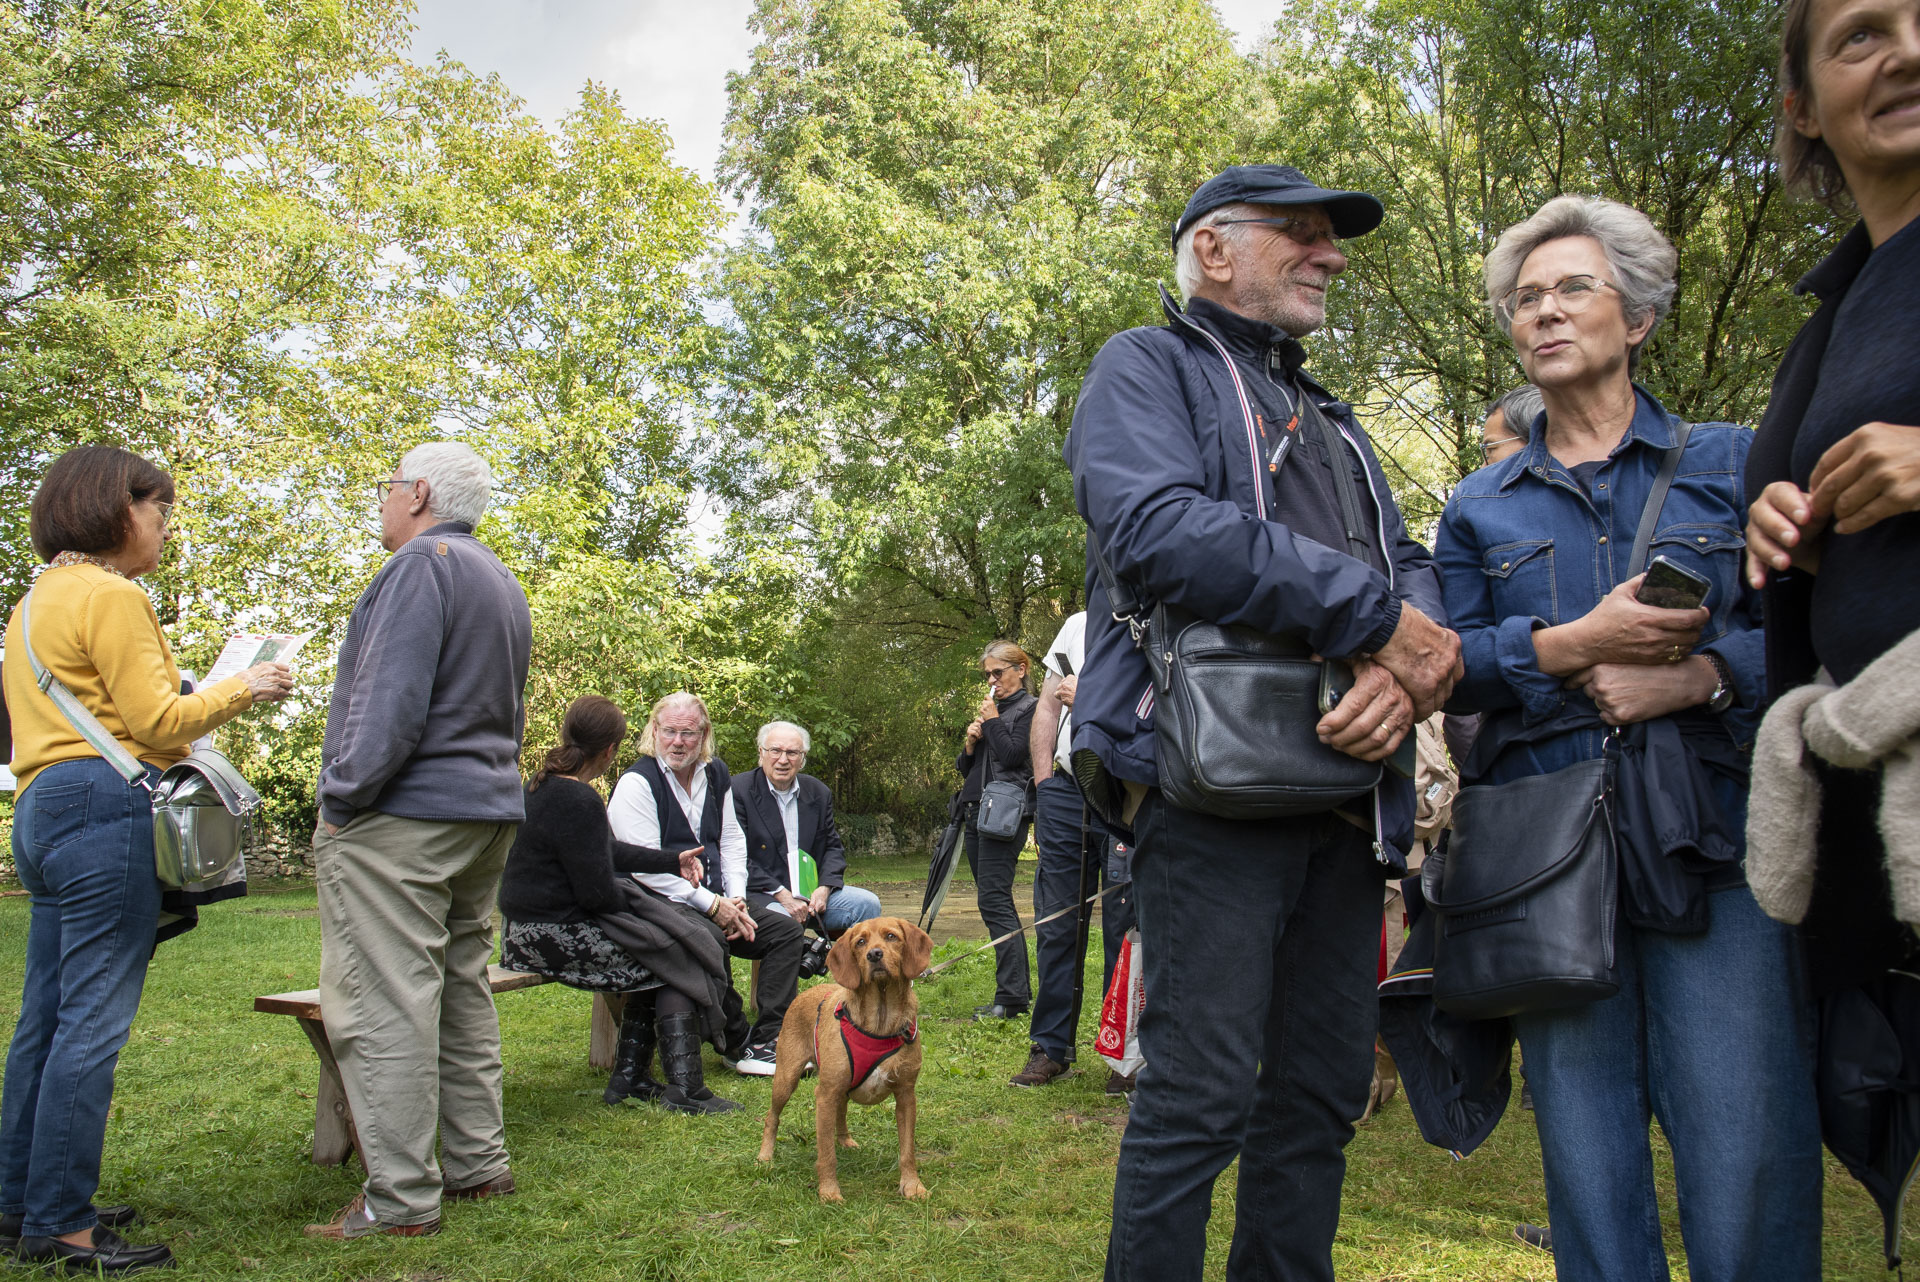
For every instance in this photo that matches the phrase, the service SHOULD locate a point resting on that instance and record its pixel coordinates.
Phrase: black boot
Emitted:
(633, 1061)
(686, 1090)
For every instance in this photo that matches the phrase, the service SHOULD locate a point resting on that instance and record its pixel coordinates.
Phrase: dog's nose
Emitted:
(876, 954)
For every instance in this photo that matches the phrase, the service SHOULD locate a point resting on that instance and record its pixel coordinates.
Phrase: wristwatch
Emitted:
(1722, 697)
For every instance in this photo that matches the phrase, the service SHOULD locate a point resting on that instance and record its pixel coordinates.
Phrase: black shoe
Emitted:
(1535, 1235)
(110, 1253)
(633, 1059)
(686, 1090)
(114, 1217)
(998, 1010)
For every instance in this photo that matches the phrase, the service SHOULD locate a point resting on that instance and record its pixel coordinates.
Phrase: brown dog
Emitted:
(863, 1032)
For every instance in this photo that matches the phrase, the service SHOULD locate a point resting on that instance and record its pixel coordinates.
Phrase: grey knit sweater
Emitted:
(427, 710)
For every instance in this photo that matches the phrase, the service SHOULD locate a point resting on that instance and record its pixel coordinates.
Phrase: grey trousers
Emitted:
(406, 926)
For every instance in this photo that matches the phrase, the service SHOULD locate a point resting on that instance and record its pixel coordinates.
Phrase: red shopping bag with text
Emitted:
(1119, 1040)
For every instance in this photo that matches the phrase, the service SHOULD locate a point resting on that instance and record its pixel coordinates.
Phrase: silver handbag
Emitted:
(202, 808)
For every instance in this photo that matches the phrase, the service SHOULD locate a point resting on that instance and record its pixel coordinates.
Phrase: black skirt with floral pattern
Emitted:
(578, 954)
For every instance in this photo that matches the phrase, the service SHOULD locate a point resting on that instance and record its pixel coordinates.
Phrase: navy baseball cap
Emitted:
(1354, 213)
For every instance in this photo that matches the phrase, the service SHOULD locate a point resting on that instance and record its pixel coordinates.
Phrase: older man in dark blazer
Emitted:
(785, 813)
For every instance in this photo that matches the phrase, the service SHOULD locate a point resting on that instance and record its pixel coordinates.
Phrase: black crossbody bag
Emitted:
(1235, 708)
(1526, 888)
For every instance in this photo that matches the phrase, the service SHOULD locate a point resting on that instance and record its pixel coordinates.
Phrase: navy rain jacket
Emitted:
(1168, 453)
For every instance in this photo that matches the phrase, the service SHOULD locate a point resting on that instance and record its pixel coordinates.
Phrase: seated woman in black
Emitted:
(573, 912)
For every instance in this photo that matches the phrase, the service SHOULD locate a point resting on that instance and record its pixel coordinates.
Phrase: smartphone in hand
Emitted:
(1672, 586)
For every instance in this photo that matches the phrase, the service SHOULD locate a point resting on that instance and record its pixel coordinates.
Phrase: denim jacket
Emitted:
(1523, 546)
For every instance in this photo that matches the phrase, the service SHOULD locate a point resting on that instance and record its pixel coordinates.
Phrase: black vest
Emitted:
(675, 833)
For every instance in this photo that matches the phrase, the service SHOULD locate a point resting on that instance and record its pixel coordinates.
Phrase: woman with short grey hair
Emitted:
(1563, 656)
(1640, 261)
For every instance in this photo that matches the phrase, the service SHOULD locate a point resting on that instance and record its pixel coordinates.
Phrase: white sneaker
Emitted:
(757, 1062)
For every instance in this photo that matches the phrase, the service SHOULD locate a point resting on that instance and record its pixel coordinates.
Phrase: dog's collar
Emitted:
(903, 1037)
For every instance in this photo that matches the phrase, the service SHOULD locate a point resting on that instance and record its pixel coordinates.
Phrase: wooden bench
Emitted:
(333, 1134)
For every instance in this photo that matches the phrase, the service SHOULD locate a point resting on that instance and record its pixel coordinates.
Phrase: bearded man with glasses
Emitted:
(679, 795)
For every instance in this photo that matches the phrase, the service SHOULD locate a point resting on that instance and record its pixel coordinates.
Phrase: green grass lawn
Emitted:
(214, 1115)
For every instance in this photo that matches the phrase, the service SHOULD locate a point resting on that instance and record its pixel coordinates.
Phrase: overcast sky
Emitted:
(668, 59)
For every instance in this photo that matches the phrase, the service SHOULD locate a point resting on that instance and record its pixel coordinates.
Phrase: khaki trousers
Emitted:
(406, 926)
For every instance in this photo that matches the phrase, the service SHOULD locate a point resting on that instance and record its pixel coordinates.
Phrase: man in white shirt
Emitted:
(1074, 861)
(678, 791)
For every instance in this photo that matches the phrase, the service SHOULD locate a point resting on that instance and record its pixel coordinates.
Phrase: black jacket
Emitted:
(767, 852)
(1002, 751)
(564, 860)
(1170, 448)
(1852, 363)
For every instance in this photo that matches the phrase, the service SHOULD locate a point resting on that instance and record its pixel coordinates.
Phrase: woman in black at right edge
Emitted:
(1834, 535)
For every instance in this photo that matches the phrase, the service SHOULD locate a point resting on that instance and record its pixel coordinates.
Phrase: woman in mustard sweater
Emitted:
(83, 842)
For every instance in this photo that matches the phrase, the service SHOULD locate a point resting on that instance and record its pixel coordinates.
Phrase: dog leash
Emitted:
(931, 971)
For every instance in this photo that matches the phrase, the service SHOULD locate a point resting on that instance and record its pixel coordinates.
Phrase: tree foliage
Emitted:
(1465, 119)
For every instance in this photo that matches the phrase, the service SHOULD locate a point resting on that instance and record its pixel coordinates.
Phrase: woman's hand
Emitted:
(691, 869)
(1630, 692)
(268, 681)
(1783, 530)
(974, 731)
(1871, 473)
(1619, 630)
(988, 708)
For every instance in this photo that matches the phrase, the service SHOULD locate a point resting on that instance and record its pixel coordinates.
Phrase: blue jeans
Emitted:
(1710, 1034)
(83, 843)
(1261, 945)
(848, 906)
(1060, 947)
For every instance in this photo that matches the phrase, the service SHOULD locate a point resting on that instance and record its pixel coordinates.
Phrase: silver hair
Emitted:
(775, 727)
(459, 482)
(1187, 273)
(678, 700)
(1518, 408)
(1642, 260)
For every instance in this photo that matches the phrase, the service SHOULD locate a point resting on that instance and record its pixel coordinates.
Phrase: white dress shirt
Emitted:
(789, 803)
(635, 820)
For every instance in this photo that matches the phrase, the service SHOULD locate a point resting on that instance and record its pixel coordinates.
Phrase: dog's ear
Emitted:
(918, 951)
(845, 970)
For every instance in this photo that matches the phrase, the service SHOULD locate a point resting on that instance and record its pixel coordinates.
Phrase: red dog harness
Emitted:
(865, 1052)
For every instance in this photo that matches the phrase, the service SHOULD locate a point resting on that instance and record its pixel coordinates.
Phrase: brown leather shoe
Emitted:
(1039, 1070)
(499, 1186)
(353, 1221)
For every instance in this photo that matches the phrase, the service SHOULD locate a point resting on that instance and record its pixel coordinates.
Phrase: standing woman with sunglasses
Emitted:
(1705, 1031)
(996, 750)
(83, 841)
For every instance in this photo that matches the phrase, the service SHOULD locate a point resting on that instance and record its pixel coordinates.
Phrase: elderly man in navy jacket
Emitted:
(786, 813)
(1211, 483)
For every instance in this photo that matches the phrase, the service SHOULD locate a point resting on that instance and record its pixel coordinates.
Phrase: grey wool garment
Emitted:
(1871, 722)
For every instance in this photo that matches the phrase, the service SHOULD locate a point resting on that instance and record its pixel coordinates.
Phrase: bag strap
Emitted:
(84, 723)
(1657, 499)
(1123, 602)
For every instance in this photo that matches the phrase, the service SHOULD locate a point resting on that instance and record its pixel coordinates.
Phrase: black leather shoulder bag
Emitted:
(1235, 708)
(1526, 886)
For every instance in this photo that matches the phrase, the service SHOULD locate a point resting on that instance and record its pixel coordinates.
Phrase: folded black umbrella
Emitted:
(946, 855)
(1457, 1073)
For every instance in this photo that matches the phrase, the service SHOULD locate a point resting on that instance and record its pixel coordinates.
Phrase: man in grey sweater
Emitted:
(420, 797)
